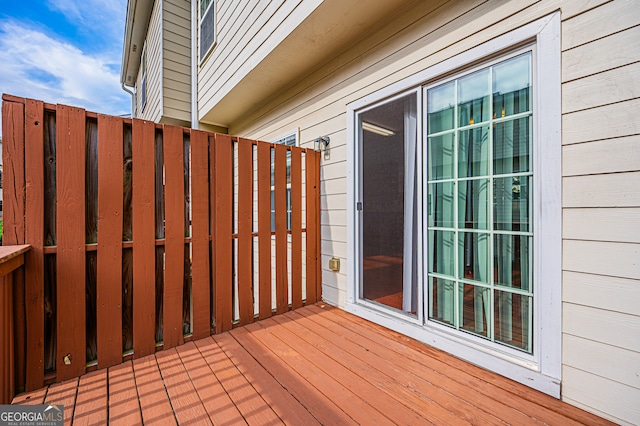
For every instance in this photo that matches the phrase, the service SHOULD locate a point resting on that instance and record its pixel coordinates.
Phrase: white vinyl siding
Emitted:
(153, 47)
(176, 61)
(247, 32)
(601, 161)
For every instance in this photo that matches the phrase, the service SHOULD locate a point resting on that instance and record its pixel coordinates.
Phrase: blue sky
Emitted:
(64, 51)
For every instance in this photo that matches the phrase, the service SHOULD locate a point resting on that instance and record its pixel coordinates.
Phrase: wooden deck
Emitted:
(314, 365)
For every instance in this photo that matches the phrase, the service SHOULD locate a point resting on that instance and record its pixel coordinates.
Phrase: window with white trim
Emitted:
(289, 139)
(207, 27)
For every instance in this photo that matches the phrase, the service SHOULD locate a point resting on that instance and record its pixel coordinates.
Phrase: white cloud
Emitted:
(94, 16)
(35, 65)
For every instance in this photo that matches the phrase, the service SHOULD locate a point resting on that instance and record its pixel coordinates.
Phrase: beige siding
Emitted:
(176, 46)
(601, 167)
(153, 107)
(247, 31)
(601, 344)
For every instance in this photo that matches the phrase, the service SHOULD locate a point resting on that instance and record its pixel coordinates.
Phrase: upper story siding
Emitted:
(246, 33)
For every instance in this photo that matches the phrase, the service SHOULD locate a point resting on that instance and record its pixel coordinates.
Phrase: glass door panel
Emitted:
(388, 140)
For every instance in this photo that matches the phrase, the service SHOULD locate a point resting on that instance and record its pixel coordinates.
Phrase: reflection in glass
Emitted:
(441, 156)
(474, 315)
(511, 260)
(473, 204)
(442, 254)
(442, 300)
(512, 319)
(473, 152)
(473, 98)
(473, 255)
(511, 203)
(442, 205)
(512, 86)
(511, 146)
(441, 104)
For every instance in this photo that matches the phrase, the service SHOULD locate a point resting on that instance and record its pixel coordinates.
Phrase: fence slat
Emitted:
(200, 292)
(264, 228)
(245, 225)
(311, 225)
(212, 224)
(280, 196)
(110, 223)
(70, 256)
(296, 228)
(34, 232)
(13, 195)
(144, 264)
(174, 236)
(223, 232)
(7, 359)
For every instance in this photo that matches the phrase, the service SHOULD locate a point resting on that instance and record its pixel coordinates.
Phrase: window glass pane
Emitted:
(473, 256)
(512, 86)
(441, 106)
(473, 204)
(442, 205)
(442, 306)
(511, 146)
(511, 197)
(473, 98)
(441, 156)
(475, 309)
(511, 260)
(473, 152)
(512, 319)
(441, 252)
(203, 7)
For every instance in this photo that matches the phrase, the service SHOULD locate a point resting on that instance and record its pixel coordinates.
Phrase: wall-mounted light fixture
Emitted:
(377, 129)
(322, 144)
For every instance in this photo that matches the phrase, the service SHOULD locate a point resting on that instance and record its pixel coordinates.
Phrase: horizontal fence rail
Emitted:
(145, 235)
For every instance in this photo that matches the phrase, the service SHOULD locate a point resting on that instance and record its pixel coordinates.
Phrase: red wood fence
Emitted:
(146, 235)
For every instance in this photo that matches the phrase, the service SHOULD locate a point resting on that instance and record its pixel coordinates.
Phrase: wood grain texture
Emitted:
(63, 393)
(124, 406)
(13, 179)
(248, 401)
(154, 401)
(34, 233)
(70, 229)
(110, 229)
(587, 290)
(174, 236)
(223, 267)
(311, 225)
(606, 190)
(212, 227)
(219, 406)
(201, 283)
(7, 366)
(245, 225)
(143, 209)
(264, 228)
(296, 228)
(186, 404)
(280, 201)
(91, 402)
(602, 224)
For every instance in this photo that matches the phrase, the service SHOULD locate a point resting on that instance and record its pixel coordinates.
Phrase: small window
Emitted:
(289, 139)
(207, 26)
(143, 84)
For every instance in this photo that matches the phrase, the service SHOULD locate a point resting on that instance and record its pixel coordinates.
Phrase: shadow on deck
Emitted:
(314, 365)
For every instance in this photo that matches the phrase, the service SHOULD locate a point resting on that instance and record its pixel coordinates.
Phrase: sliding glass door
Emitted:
(387, 209)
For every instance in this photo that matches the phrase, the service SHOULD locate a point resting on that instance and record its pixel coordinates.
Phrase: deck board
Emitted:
(315, 365)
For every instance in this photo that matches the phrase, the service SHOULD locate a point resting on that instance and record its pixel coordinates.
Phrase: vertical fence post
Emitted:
(110, 223)
(34, 231)
(174, 235)
(70, 255)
